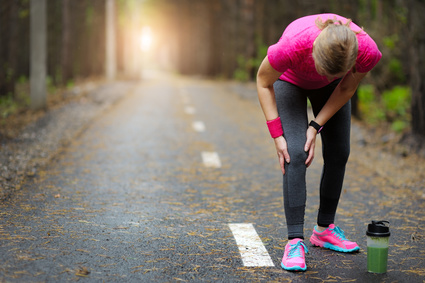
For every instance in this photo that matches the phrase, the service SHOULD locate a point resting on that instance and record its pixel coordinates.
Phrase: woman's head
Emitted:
(335, 49)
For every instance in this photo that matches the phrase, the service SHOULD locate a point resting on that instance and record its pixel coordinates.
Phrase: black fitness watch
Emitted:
(316, 126)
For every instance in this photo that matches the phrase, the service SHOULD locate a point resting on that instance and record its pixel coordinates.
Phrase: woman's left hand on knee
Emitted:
(310, 144)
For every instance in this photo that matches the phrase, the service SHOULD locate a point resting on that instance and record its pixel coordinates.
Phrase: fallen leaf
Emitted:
(82, 271)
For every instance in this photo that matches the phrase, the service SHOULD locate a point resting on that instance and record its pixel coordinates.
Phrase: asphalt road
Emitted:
(137, 198)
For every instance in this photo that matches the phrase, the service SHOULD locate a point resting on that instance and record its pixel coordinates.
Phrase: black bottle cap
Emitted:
(378, 229)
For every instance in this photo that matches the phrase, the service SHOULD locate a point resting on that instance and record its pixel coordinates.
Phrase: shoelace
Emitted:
(295, 250)
(339, 233)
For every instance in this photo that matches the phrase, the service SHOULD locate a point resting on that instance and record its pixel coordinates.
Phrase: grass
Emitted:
(392, 106)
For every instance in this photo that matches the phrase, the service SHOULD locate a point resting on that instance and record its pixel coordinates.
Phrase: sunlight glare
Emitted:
(146, 39)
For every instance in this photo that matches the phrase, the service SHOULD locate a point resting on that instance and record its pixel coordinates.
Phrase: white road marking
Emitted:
(189, 110)
(198, 126)
(250, 246)
(211, 159)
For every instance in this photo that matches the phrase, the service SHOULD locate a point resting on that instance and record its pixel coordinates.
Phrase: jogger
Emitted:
(322, 58)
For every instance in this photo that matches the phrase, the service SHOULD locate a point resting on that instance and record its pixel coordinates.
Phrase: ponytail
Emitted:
(322, 25)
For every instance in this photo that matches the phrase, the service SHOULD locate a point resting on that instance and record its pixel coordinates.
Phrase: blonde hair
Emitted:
(335, 49)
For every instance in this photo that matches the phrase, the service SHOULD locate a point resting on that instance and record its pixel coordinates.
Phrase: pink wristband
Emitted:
(275, 127)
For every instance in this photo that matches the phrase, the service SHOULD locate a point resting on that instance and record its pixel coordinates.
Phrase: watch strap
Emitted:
(316, 126)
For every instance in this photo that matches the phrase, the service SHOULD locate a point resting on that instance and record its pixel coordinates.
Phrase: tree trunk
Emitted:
(110, 40)
(38, 63)
(8, 48)
(4, 18)
(215, 58)
(13, 48)
(130, 44)
(66, 73)
(249, 39)
(417, 69)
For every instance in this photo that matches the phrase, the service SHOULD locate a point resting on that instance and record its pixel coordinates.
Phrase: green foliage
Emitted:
(396, 102)
(246, 66)
(70, 84)
(241, 73)
(399, 126)
(261, 53)
(51, 87)
(394, 65)
(58, 79)
(7, 105)
(393, 106)
(8, 74)
(24, 11)
(401, 14)
(391, 41)
(369, 105)
(396, 68)
(12, 103)
(366, 94)
(22, 80)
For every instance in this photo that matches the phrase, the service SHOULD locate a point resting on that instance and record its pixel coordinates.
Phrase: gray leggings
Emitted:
(292, 107)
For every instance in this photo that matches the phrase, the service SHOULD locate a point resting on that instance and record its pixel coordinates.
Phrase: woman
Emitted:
(323, 58)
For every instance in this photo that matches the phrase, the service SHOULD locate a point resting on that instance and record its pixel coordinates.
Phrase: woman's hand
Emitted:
(310, 144)
(282, 152)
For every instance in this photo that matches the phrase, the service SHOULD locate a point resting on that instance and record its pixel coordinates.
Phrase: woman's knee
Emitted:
(298, 155)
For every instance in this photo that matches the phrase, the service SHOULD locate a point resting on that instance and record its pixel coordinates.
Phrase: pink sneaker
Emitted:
(294, 256)
(333, 238)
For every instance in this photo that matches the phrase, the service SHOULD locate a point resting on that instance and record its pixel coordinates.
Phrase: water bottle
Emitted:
(378, 237)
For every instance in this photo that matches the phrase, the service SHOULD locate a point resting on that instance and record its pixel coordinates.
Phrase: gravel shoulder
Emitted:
(41, 139)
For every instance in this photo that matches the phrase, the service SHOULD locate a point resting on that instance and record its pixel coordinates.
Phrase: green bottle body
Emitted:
(377, 254)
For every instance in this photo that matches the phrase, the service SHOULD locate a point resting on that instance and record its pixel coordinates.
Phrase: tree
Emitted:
(38, 64)
(417, 62)
(65, 58)
(8, 46)
(110, 40)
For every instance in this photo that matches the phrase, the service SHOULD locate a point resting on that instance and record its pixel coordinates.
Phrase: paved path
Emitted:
(165, 185)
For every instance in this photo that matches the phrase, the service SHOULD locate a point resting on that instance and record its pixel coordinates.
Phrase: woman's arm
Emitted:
(266, 77)
(341, 95)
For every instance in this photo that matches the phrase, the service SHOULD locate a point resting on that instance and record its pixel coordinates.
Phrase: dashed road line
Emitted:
(250, 246)
(198, 126)
(211, 159)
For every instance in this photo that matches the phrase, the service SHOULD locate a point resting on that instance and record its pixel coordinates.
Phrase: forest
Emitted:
(218, 39)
